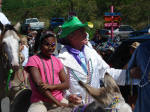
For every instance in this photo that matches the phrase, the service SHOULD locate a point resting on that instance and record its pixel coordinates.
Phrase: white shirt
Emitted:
(25, 52)
(4, 19)
(98, 68)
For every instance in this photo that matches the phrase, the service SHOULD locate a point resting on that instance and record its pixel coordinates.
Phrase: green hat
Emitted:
(71, 25)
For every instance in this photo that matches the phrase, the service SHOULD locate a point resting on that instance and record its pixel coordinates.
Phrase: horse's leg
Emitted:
(5, 105)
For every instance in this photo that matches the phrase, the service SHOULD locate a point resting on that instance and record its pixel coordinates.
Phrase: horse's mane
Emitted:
(6, 28)
(9, 27)
(121, 56)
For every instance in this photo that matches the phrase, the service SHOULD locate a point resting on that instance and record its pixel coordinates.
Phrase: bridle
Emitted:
(80, 108)
(4, 58)
(110, 108)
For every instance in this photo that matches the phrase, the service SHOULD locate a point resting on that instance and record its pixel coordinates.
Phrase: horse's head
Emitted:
(103, 95)
(109, 96)
(10, 44)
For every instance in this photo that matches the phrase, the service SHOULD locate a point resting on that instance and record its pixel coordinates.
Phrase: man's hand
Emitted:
(75, 99)
(135, 72)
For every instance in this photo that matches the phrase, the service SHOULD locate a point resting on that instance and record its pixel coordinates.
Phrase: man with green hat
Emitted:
(82, 62)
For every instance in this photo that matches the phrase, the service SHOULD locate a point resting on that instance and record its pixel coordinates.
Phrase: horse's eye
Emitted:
(101, 83)
(19, 41)
(4, 43)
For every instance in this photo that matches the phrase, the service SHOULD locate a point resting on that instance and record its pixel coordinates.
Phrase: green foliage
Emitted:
(134, 12)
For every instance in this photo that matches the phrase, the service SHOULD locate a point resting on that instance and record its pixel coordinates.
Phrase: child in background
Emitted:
(24, 50)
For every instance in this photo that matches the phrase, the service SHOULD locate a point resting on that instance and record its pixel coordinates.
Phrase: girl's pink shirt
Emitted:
(35, 61)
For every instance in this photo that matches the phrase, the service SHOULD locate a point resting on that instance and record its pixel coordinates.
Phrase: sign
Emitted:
(112, 20)
(109, 18)
(111, 25)
(112, 14)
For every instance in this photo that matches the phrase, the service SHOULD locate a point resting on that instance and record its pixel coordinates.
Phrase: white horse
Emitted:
(9, 61)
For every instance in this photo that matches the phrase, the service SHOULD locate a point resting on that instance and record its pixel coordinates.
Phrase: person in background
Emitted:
(82, 62)
(132, 84)
(88, 39)
(141, 58)
(133, 46)
(47, 77)
(31, 41)
(24, 50)
(97, 37)
(24, 55)
(3, 21)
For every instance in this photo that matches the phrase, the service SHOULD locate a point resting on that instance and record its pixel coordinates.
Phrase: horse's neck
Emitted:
(3, 78)
(3, 68)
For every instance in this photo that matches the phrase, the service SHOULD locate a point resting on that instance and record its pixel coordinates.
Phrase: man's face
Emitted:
(78, 38)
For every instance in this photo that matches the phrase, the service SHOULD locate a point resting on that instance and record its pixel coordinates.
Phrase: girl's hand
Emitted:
(46, 86)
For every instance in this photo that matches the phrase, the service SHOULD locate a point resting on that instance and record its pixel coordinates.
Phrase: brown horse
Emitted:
(108, 97)
(9, 62)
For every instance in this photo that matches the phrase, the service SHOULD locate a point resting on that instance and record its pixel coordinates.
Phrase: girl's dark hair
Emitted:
(47, 34)
(40, 37)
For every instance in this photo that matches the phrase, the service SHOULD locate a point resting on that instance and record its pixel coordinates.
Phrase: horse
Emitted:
(107, 98)
(10, 74)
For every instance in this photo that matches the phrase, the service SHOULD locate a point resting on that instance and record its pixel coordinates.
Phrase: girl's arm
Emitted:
(62, 86)
(36, 78)
(64, 78)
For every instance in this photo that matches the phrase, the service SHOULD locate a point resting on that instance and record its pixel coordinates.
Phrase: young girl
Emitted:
(24, 50)
(47, 77)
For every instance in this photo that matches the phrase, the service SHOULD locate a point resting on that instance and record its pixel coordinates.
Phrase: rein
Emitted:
(112, 107)
(79, 109)
(8, 80)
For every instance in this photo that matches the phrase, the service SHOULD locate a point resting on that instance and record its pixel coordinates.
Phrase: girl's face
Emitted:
(48, 46)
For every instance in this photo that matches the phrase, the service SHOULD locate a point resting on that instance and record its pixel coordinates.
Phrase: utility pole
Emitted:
(71, 6)
(71, 10)
(148, 20)
(112, 22)
(112, 17)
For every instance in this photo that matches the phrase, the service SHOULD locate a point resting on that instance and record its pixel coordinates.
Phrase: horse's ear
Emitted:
(110, 83)
(92, 91)
(17, 26)
(1, 26)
